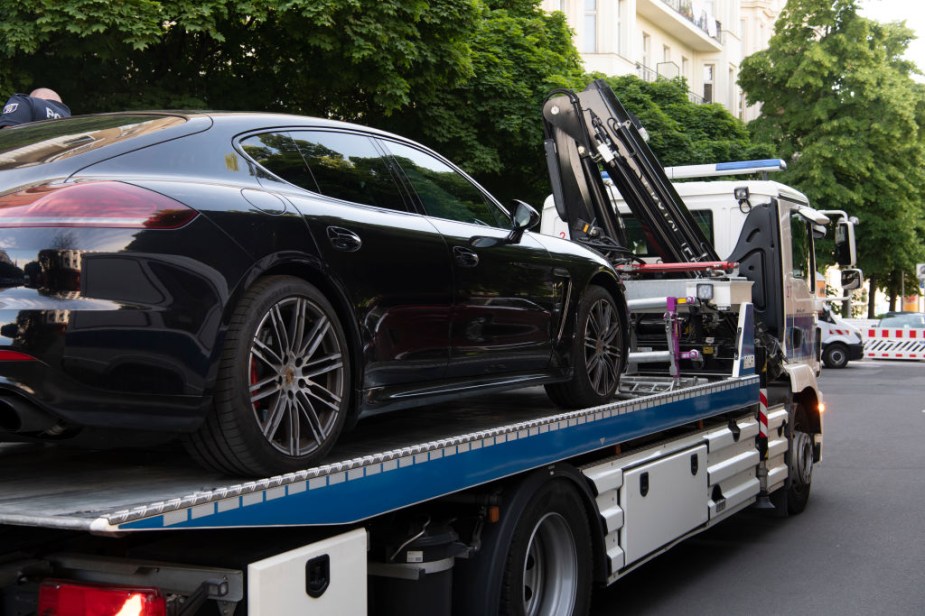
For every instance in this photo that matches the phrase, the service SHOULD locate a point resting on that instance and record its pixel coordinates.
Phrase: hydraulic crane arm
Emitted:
(590, 131)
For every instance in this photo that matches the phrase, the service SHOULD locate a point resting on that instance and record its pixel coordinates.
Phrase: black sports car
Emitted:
(256, 283)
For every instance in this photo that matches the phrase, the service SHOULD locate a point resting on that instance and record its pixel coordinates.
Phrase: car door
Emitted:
(505, 296)
(390, 262)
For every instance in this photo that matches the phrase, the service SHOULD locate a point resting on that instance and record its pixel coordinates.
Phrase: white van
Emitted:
(841, 341)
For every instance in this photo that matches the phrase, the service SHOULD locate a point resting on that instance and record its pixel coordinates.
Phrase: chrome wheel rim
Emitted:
(550, 571)
(603, 347)
(296, 376)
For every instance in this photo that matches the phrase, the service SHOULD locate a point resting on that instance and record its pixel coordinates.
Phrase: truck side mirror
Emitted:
(845, 250)
(851, 279)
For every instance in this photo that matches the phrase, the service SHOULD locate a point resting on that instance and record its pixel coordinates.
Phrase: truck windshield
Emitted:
(641, 247)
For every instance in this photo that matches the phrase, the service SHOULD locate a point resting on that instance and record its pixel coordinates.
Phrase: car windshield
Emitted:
(43, 142)
(909, 319)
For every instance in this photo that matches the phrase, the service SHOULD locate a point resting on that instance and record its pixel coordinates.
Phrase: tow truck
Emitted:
(499, 505)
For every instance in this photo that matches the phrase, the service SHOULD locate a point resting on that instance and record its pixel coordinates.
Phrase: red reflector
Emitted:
(15, 356)
(60, 598)
(93, 204)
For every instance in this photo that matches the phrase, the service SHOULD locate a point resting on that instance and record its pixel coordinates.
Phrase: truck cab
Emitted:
(769, 230)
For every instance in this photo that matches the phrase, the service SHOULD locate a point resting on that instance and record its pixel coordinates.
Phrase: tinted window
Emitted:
(444, 192)
(278, 153)
(637, 239)
(340, 165)
(47, 141)
(348, 166)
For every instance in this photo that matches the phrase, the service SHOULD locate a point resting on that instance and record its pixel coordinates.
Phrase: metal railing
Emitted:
(666, 70)
(704, 21)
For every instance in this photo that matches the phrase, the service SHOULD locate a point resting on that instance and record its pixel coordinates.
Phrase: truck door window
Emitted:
(444, 192)
(800, 246)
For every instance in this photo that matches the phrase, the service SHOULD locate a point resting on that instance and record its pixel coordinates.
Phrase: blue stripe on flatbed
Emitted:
(359, 489)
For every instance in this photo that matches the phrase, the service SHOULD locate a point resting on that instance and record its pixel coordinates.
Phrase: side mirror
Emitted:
(845, 250)
(818, 232)
(524, 218)
(851, 279)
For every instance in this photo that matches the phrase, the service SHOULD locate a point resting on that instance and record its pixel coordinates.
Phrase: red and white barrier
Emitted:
(894, 343)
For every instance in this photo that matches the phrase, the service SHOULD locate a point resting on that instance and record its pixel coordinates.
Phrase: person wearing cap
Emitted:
(40, 104)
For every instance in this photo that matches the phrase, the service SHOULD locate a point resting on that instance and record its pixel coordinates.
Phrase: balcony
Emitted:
(676, 17)
(666, 70)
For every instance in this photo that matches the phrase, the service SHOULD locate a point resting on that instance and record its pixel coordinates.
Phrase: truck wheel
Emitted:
(835, 355)
(548, 569)
(597, 353)
(794, 496)
(282, 392)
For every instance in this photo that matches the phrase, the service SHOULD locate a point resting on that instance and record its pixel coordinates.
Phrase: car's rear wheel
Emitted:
(282, 393)
(598, 352)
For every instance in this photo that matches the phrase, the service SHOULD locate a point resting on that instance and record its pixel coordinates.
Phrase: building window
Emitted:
(732, 98)
(685, 68)
(589, 36)
(708, 79)
(666, 53)
(646, 50)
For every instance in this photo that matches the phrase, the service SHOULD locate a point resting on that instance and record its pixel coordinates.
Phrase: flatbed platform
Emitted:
(480, 441)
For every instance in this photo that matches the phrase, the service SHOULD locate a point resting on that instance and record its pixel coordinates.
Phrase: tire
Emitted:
(835, 355)
(548, 567)
(282, 393)
(598, 352)
(793, 498)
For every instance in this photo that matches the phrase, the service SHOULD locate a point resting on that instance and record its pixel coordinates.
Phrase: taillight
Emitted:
(60, 598)
(15, 356)
(93, 204)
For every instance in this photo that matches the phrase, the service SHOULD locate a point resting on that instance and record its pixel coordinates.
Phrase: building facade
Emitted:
(703, 41)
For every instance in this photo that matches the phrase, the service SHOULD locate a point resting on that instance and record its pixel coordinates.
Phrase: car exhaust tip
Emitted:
(18, 416)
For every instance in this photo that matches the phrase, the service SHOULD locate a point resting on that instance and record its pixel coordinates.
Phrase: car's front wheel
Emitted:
(835, 355)
(598, 352)
(283, 388)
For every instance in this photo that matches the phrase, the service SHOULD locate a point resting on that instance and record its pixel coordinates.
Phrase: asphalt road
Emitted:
(858, 549)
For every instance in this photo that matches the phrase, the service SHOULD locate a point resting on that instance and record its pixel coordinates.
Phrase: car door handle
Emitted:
(465, 257)
(344, 239)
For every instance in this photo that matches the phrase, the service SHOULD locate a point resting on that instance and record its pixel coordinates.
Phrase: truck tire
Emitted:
(598, 352)
(548, 568)
(794, 496)
(282, 392)
(835, 355)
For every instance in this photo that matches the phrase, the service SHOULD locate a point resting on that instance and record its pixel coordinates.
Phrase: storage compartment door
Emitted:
(325, 577)
(663, 500)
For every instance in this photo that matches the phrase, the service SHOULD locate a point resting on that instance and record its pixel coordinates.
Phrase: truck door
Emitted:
(799, 266)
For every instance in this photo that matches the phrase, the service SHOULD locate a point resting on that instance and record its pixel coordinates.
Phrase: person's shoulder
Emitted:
(16, 110)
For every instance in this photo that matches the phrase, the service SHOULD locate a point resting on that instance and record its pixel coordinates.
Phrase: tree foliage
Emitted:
(329, 57)
(839, 102)
(682, 132)
(467, 77)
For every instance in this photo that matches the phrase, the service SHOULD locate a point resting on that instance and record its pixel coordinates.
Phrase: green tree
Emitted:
(839, 102)
(491, 123)
(682, 132)
(331, 57)
(464, 76)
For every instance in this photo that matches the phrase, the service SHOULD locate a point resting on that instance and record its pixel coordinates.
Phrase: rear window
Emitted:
(44, 142)
(640, 245)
